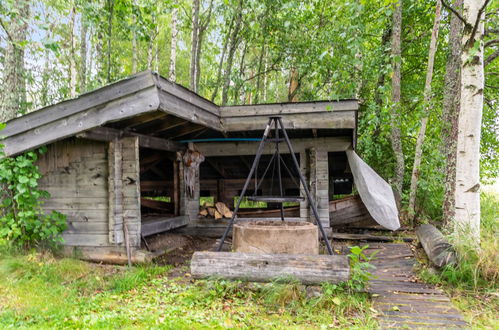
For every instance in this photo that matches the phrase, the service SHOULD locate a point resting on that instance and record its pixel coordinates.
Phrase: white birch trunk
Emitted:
(72, 55)
(426, 104)
(194, 45)
(173, 46)
(467, 218)
(134, 39)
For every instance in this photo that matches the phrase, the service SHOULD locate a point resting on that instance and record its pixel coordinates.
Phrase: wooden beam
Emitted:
(162, 224)
(104, 95)
(109, 134)
(288, 108)
(329, 144)
(318, 120)
(58, 129)
(183, 130)
(168, 124)
(145, 119)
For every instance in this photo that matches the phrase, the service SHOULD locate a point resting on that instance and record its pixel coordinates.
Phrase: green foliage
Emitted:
(22, 219)
(359, 265)
(474, 281)
(477, 269)
(41, 291)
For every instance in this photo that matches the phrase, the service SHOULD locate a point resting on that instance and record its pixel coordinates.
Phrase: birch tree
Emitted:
(426, 104)
(194, 45)
(467, 218)
(173, 43)
(134, 36)
(83, 55)
(72, 52)
(450, 112)
(14, 84)
(395, 117)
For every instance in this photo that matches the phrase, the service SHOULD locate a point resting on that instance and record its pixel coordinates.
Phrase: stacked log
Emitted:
(218, 211)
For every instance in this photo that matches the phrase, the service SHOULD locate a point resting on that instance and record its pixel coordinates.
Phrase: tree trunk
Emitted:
(426, 104)
(83, 57)
(222, 59)
(234, 41)
(134, 37)
(467, 218)
(72, 53)
(203, 26)
(450, 113)
(172, 76)
(293, 85)
(14, 87)
(395, 108)
(194, 44)
(110, 7)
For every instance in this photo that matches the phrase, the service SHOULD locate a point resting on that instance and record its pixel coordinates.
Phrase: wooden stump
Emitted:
(269, 267)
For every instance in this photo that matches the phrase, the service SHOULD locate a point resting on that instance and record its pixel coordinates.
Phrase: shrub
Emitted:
(22, 219)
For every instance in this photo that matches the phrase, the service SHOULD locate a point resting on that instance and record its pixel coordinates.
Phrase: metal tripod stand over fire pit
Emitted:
(250, 265)
(276, 157)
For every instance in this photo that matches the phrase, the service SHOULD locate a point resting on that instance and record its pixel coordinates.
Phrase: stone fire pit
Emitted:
(276, 237)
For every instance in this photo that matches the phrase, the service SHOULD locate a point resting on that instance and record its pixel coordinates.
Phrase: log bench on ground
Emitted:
(438, 250)
(251, 267)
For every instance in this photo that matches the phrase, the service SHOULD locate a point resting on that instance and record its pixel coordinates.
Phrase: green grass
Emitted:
(474, 282)
(40, 291)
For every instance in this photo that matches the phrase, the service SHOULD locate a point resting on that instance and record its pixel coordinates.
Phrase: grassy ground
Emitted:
(40, 291)
(474, 283)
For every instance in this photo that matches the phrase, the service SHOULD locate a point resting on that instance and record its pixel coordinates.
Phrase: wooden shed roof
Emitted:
(160, 111)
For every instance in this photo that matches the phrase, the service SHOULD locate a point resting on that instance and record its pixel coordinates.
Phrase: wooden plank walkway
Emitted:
(401, 301)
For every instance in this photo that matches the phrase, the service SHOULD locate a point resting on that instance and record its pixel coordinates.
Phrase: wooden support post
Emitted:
(319, 183)
(176, 188)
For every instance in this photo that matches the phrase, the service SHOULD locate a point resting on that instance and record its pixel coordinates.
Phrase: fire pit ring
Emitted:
(279, 237)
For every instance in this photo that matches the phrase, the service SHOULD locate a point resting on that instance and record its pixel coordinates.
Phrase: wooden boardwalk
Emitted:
(401, 301)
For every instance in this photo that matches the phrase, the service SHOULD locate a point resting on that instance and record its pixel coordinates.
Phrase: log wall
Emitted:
(84, 179)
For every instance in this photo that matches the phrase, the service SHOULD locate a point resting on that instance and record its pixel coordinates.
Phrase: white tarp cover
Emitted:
(375, 192)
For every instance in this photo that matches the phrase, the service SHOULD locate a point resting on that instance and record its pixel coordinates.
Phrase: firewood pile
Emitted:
(219, 211)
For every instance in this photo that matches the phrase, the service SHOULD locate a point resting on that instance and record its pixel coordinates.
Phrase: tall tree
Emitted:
(426, 107)
(450, 112)
(83, 55)
(110, 13)
(14, 83)
(467, 218)
(135, 10)
(172, 75)
(194, 44)
(72, 51)
(233, 43)
(395, 117)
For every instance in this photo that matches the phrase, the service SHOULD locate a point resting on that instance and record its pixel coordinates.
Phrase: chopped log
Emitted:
(438, 250)
(269, 267)
(218, 216)
(203, 212)
(223, 210)
(211, 211)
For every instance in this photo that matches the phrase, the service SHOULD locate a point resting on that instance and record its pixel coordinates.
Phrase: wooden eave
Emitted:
(147, 104)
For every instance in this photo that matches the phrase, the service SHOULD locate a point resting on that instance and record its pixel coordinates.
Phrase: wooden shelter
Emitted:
(114, 160)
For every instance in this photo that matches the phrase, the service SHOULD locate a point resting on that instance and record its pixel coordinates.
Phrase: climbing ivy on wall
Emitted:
(22, 219)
